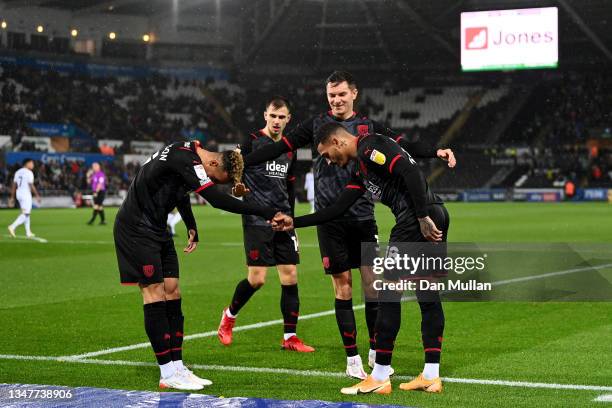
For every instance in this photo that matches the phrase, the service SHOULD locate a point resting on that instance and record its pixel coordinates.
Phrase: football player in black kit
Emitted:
(340, 240)
(145, 249)
(270, 184)
(384, 167)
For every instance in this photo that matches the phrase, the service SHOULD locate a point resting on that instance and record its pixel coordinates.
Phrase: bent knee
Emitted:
(257, 277)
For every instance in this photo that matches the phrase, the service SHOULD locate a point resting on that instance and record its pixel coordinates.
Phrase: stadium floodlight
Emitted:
(146, 38)
(112, 35)
(4, 25)
(74, 32)
(40, 29)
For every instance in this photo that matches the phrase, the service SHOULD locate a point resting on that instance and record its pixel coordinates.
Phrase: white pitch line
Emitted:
(551, 274)
(315, 315)
(313, 373)
(604, 398)
(211, 333)
(18, 237)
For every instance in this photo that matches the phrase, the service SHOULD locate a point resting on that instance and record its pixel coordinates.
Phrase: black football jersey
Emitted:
(267, 181)
(376, 157)
(163, 183)
(330, 179)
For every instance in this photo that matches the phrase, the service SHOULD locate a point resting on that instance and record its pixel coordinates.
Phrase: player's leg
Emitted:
(334, 253)
(21, 218)
(290, 308)
(140, 263)
(258, 251)
(244, 290)
(289, 300)
(173, 220)
(94, 213)
(387, 326)
(102, 216)
(26, 207)
(432, 320)
(366, 232)
(157, 326)
(388, 322)
(286, 256)
(176, 322)
(100, 203)
(386, 317)
(168, 223)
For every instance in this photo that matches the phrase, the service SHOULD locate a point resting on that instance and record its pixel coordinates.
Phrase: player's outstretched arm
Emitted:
(225, 202)
(345, 200)
(269, 152)
(418, 149)
(421, 150)
(301, 136)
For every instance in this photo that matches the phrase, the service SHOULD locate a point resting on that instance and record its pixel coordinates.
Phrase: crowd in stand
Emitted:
(70, 176)
(572, 109)
(158, 108)
(106, 107)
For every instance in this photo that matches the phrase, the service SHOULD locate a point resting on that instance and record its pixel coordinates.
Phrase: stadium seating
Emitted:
(422, 107)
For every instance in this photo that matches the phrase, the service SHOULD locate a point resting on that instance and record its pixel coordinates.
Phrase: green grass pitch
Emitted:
(63, 298)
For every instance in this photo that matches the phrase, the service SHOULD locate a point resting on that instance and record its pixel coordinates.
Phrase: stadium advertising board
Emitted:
(145, 147)
(509, 39)
(53, 129)
(592, 194)
(484, 195)
(538, 194)
(87, 158)
(133, 71)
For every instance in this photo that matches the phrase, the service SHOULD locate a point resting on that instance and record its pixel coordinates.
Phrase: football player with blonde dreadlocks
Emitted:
(145, 249)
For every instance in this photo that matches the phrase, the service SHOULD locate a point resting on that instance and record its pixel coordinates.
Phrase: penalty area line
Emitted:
(316, 373)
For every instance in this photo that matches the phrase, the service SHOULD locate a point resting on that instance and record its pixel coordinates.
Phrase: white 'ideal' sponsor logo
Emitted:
(275, 169)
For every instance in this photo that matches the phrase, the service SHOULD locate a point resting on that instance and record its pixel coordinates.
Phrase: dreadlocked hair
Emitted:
(234, 165)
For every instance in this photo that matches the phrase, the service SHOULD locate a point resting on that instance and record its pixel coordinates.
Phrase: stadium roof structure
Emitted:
(386, 35)
(131, 7)
(402, 34)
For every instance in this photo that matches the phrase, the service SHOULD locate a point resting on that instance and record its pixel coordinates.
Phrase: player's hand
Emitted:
(191, 244)
(448, 156)
(11, 202)
(39, 200)
(282, 222)
(240, 190)
(429, 230)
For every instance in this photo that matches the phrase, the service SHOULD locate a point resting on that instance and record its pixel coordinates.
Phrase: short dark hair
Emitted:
(26, 160)
(337, 77)
(326, 131)
(278, 102)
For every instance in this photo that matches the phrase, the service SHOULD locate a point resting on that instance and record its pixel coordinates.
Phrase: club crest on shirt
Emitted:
(377, 157)
(363, 129)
